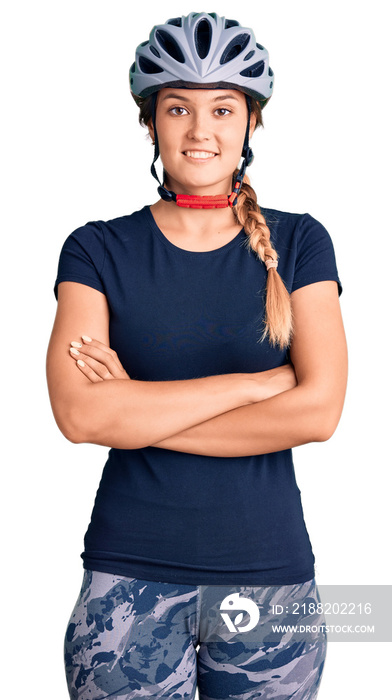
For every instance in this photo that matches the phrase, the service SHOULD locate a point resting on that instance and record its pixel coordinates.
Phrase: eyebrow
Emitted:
(186, 99)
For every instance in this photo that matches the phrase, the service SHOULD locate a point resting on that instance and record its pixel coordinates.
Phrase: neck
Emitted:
(194, 222)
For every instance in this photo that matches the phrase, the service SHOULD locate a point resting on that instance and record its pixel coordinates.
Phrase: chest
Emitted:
(180, 316)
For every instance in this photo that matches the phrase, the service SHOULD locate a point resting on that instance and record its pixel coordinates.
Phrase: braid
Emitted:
(278, 316)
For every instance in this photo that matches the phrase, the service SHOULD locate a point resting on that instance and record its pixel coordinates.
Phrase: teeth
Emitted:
(199, 154)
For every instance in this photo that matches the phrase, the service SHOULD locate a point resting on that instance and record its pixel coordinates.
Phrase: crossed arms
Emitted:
(223, 416)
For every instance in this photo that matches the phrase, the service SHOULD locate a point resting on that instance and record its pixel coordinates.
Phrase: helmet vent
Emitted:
(155, 51)
(254, 71)
(147, 66)
(231, 23)
(259, 46)
(234, 47)
(169, 45)
(203, 35)
(270, 72)
(249, 55)
(133, 68)
(176, 21)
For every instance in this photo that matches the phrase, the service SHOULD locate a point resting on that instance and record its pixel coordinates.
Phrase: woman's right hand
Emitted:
(274, 381)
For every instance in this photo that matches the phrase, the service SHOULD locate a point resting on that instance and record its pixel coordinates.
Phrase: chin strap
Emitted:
(191, 201)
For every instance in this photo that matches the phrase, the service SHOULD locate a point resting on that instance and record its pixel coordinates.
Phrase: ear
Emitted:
(151, 130)
(252, 124)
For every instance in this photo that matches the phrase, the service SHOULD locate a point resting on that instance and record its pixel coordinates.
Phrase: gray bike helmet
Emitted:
(202, 50)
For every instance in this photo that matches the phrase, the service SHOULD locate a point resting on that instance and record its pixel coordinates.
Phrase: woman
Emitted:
(179, 345)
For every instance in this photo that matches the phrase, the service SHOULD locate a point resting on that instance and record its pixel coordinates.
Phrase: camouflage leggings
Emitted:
(132, 638)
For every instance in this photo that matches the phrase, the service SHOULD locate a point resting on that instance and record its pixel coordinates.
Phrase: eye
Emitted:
(179, 111)
(222, 111)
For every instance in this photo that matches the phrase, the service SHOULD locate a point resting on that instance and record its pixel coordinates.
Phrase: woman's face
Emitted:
(201, 134)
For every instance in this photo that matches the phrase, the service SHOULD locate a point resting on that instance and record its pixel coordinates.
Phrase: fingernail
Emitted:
(74, 351)
(80, 362)
(87, 338)
(75, 344)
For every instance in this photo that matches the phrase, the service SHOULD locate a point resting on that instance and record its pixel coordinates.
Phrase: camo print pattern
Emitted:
(132, 638)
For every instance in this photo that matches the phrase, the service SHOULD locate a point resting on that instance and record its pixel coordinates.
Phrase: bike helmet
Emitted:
(202, 50)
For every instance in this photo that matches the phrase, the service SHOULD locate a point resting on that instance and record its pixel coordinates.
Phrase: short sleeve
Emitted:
(82, 257)
(315, 259)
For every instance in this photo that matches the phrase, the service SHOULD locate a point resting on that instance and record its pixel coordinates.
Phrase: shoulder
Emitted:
(305, 249)
(294, 230)
(86, 251)
(285, 220)
(118, 227)
(127, 221)
(97, 236)
(275, 216)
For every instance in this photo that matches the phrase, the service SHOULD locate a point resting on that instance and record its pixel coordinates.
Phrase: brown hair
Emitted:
(278, 313)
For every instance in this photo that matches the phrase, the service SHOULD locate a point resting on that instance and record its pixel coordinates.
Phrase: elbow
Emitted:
(70, 429)
(73, 437)
(70, 422)
(84, 419)
(328, 418)
(323, 405)
(324, 433)
(79, 427)
(74, 434)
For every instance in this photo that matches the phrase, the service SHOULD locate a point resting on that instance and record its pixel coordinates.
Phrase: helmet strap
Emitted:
(191, 201)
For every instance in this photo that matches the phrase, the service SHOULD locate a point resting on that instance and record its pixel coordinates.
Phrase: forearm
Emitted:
(291, 418)
(106, 407)
(133, 414)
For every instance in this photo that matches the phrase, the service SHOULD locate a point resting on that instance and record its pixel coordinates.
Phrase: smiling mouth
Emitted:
(199, 155)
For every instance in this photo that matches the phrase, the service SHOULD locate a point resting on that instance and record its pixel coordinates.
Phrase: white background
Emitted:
(72, 152)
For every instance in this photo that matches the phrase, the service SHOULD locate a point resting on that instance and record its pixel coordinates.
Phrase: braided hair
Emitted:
(278, 313)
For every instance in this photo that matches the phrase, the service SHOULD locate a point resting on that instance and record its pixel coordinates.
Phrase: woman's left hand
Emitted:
(96, 360)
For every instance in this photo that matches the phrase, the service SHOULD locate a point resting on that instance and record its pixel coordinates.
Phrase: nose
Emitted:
(199, 130)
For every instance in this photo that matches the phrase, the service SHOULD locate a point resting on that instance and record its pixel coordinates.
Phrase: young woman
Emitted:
(178, 344)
